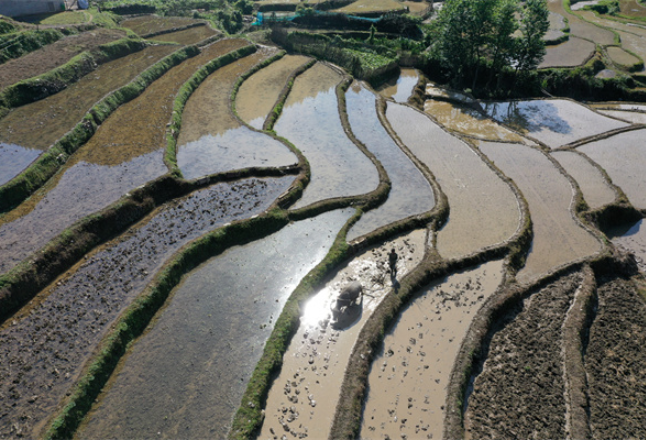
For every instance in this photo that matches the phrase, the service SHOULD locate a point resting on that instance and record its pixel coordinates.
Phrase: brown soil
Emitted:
(188, 36)
(620, 56)
(614, 362)
(571, 53)
(150, 24)
(54, 55)
(520, 392)
(68, 320)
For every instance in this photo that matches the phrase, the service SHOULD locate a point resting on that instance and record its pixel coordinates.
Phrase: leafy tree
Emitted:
(533, 25)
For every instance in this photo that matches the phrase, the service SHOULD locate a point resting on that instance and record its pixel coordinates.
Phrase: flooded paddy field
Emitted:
(622, 156)
(558, 237)
(188, 36)
(72, 315)
(620, 56)
(596, 190)
(212, 140)
(581, 28)
(554, 122)
(30, 129)
(571, 53)
(523, 372)
(401, 88)
(54, 55)
(214, 328)
(303, 398)
(469, 122)
(631, 238)
(629, 116)
(483, 209)
(338, 167)
(126, 151)
(410, 194)
(407, 385)
(258, 94)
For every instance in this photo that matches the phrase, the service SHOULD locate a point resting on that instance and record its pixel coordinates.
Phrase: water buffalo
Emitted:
(349, 296)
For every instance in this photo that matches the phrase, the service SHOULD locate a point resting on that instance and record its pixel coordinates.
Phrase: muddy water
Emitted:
(558, 237)
(554, 122)
(188, 36)
(311, 121)
(633, 117)
(212, 140)
(126, 151)
(258, 94)
(632, 239)
(484, 209)
(303, 398)
(407, 384)
(596, 190)
(73, 315)
(400, 88)
(571, 53)
(14, 159)
(411, 193)
(203, 347)
(623, 157)
(40, 124)
(469, 121)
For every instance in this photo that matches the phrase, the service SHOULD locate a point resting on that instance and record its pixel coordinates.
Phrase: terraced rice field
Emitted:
(208, 309)
(150, 24)
(187, 36)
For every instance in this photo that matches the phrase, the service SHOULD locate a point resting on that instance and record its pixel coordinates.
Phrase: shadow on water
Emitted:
(529, 116)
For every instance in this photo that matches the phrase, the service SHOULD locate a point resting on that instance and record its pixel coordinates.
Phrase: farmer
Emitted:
(392, 262)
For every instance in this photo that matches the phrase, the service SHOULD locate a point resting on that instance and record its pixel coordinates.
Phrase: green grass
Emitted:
(67, 18)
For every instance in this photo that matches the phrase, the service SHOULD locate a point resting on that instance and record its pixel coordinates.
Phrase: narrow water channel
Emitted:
(185, 377)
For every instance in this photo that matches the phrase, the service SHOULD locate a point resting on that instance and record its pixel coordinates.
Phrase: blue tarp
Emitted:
(83, 4)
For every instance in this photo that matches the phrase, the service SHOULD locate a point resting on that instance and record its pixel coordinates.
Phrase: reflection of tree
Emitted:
(529, 116)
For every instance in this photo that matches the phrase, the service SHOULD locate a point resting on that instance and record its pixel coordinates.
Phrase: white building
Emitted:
(15, 8)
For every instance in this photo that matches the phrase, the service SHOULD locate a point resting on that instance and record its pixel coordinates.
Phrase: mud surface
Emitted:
(38, 125)
(623, 157)
(620, 56)
(408, 380)
(54, 55)
(596, 190)
(554, 122)
(520, 391)
(311, 121)
(148, 24)
(484, 209)
(126, 151)
(400, 88)
(184, 378)
(44, 348)
(258, 94)
(188, 36)
(469, 121)
(558, 237)
(632, 239)
(213, 140)
(614, 363)
(410, 193)
(303, 398)
(571, 53)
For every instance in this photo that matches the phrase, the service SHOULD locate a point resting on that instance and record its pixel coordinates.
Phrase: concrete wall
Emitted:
(15, 8)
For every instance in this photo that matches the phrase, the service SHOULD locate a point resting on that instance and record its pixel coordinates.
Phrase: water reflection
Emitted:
(400, 88)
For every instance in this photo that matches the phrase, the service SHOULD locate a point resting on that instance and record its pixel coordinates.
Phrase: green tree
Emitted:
(534, 23)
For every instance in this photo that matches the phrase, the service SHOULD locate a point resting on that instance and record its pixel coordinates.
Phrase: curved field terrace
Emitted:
(175, 273)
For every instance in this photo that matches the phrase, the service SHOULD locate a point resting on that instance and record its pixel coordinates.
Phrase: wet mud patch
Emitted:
(400, 88)
(188, 36)
(410, 193)
(407, 384)
(596, 190)
(520, 391)
(614, 362)
(484, 209)
(558, 237)
(623, 157)
(39, 124)
(205, 344)
(554, 122)
(212, 140)
(621, 57)
(571, 53)
(258, 94)
(54, 55)
(68, 320)
(126, 151)
(303, 398)
(468, 121)
(311, 121)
